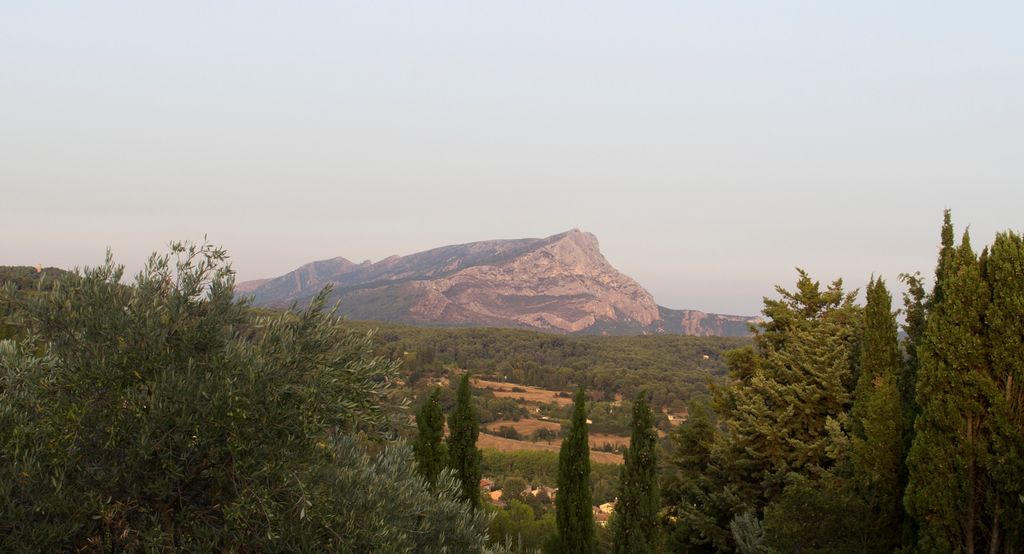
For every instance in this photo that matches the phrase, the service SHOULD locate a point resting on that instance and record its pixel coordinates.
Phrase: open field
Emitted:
(598, 439)
(492, 442)
(524, 426)
(527, 426)
(524, 393)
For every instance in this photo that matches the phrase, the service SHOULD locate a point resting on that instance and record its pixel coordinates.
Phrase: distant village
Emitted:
(546, 495)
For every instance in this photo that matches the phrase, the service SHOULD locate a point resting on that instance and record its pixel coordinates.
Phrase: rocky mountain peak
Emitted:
(575, 238)
(561, 283)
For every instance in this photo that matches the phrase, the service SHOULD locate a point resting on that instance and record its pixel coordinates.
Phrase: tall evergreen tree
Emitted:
(783, 396)
(946, 490)
(916, 313)
(700, 497)
(948, 245)
(574, 512)
(1004, 272)
(463, 455)
(915, 310)
(879, 349)
(429, 448)
(877, 448)
(636, 511)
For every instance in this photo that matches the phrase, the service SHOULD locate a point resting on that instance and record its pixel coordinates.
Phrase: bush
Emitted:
(166, 415)
(509, 433)
(520, 527)
(544, 434)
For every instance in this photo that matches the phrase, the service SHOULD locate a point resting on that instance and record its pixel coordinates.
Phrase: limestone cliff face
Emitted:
(560, 283)
(564, 284)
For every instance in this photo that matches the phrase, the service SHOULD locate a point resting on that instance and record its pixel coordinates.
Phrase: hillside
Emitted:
(561, 284)
(29, 278)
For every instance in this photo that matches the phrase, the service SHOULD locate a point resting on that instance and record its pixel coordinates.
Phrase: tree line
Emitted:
(679, 365)
(165, 414)
(162, 414)
(835, 434)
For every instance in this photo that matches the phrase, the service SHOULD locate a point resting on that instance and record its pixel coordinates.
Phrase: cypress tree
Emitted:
(636, 512)
(945, 251)
(946, 489)
(429, 448)
(464, 456)
(1004, 272)
(574, 512)
(915, 310)
(917, 304)
(879, 349)
(877, 447)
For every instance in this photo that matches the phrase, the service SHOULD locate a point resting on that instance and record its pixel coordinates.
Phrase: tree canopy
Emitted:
(163, 414)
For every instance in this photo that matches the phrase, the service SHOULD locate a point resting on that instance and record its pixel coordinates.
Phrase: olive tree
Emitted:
(164, 413)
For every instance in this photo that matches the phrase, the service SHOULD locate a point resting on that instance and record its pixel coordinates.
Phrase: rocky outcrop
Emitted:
(560, 283)
(249, 286)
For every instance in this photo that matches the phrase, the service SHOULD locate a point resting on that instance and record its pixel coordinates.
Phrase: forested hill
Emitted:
(27, 278)
(674, 368)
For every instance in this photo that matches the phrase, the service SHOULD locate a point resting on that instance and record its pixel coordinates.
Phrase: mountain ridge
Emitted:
(561, 283)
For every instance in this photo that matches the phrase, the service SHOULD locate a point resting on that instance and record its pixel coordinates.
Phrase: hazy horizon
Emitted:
(710, 148)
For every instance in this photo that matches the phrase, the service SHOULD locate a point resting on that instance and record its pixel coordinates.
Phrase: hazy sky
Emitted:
(710, 146)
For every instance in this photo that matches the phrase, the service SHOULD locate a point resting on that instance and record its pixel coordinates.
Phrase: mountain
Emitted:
(561, 283)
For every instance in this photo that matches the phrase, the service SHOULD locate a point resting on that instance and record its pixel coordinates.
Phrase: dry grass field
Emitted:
(523, 426)
(534, 396)
(526, 427)
(493, 442)
(528, 395)
(598, 439)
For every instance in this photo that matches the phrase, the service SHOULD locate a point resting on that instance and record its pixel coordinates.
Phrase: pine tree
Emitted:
(1004, 272)
(747, 533)
(780, 402)
(574, 512)
(877, 448)
(946, 488)
(430, 450)
(464, 456)
(636, 511)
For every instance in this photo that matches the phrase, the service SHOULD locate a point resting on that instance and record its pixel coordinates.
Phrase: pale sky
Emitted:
(710, 146)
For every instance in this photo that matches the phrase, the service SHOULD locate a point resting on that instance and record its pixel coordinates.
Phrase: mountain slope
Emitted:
(561, 283)
(29, 278)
